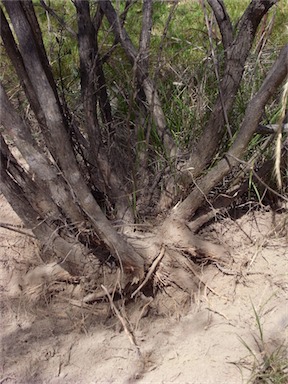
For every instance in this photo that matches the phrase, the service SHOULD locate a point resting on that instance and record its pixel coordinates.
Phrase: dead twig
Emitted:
(151, 270)
(58, 18)
(82, 305)
(14, 228)
(221, 314)
(123, 321)
(231, 272)
(94, 296)
(6, 378)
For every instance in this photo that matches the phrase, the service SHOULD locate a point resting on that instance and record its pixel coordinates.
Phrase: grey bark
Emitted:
(148, 87)
(93, 88)
(40, 167)
(71, 255)
(236, 51)
(223, 20)
(37, 68)
(237, 43)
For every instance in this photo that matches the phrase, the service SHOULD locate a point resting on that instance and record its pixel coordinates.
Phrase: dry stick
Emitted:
(58, 18)
(269, 188)
(123, 321)
(82, 305)
(94, 296)
(220, 314)
(284, 99)
(11, 227)
(231, 272)
(6, 378)
(151, 270)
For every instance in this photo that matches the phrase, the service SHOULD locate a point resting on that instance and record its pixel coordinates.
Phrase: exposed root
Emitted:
(186, 263)
(143, 310)
(151, 270)
(44, 279)
(177, 235)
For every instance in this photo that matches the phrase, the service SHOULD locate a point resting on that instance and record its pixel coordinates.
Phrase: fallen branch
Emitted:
(123, 321)
(14, 228)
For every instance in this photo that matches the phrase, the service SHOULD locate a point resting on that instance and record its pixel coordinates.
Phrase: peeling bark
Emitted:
(39, 165)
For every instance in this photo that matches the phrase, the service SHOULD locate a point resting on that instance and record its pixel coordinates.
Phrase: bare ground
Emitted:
(51, 340)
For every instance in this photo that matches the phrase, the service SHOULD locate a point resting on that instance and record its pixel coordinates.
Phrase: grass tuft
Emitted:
(268, 366)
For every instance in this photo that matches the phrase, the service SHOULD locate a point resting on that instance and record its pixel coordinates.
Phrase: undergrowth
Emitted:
(269, 365)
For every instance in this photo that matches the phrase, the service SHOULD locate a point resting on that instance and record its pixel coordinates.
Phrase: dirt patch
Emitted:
(56, 341)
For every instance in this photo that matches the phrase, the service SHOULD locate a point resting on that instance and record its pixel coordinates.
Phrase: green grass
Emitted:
(268, 367)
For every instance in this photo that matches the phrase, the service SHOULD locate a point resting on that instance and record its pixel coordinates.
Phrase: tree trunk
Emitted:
(236, 52)
(51, 186)
(274, 79)
(37, 67)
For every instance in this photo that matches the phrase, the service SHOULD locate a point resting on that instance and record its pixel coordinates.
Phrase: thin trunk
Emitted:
(148, 87)
(63, 153)
(223, 20)
(236, 54)
(44, 171)
(255, 109)
(93, 84)
(16, 58)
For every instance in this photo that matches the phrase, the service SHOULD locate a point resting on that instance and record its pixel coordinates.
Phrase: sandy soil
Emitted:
(52, 341)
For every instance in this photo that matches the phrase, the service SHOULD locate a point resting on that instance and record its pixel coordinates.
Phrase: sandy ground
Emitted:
(54, 342)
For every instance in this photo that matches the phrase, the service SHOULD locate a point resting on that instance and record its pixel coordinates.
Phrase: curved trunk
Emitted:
(255, 109)
(39, 73)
